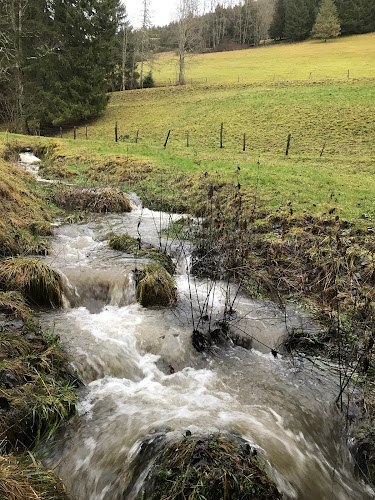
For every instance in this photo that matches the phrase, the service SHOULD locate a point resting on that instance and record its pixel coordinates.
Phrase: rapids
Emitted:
(144, 381)
(143, 376)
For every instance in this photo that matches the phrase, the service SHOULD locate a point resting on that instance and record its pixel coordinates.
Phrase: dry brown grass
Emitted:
(156, 287)
(37, 281)
(23, 478)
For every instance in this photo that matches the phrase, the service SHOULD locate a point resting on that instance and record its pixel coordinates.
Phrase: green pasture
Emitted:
(294, 61)
(331, 161)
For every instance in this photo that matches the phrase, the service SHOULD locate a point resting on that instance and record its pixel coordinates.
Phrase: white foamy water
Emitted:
(143, 376)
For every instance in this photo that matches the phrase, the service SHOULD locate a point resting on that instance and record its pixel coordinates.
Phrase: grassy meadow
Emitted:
(336, 115)
(329, 60)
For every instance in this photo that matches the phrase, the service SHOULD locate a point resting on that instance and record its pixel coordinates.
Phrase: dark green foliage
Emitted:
(56, 72)
(298, 22)
(356, 16)
(278, 23)
(211, 469)
(148, 81)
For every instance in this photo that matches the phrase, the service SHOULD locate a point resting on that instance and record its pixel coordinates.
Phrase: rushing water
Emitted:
(144, 378)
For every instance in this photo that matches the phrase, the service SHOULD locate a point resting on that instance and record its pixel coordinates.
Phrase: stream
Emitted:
(145, 382)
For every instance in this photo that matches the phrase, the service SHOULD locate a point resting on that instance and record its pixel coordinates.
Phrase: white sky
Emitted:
(161, 11)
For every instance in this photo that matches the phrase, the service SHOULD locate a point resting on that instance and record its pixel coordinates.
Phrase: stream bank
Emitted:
(162, 366)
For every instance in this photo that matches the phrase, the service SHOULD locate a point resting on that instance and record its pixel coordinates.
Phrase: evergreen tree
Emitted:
(356, 16)
(297, 19)
(278, 23)
(327, 24)
(59, 57)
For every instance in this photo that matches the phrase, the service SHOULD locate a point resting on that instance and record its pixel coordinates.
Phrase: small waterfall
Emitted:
(145, 383)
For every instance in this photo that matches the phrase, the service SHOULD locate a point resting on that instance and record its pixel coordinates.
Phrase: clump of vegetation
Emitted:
(37, 388)
(124, 243)
(23, 478)
(128, 244)
(99, 201)
(24, 216)
(211, 468)
(156, 287)
(37, 281)
(13, 303)
(53, 171)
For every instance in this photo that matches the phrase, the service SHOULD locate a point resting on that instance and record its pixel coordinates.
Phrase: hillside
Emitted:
(286, 61)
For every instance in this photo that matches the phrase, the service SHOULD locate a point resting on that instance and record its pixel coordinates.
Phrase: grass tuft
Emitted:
(37, 281)
(211, 469)
(99, 201)
(156, 287)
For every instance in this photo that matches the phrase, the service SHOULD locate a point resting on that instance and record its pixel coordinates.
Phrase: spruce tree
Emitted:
(278, 22)
(327, 24)
(297, 19)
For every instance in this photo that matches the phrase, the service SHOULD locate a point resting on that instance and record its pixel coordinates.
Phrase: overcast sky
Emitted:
(161, 11)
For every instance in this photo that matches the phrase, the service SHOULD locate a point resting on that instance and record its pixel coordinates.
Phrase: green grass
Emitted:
(295, 61)
(338, 113)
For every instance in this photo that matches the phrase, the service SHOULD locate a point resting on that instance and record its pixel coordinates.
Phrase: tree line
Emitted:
(60, 58)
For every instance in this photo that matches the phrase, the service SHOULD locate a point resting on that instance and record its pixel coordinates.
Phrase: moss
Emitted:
(155, 287)
(210, 468)
(37, 281)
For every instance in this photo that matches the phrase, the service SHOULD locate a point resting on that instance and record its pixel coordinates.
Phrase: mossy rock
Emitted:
(37, 281)
(212, 468)
(156, 287)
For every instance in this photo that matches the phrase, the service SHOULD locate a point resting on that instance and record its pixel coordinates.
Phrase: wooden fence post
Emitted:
(60, 132)
(187, 139)
(288, 144)
(166, 140)
(244, 143)
(221, 134)
(348, 74)
(136, 137)
(86, 133)
(75, 133)
(116, 137)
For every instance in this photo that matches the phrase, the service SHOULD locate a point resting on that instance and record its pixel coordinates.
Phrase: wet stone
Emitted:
(8, 379)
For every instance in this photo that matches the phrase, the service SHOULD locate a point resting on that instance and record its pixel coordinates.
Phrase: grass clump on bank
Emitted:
(36, 386)
(155, 287)
(211, 468)
(98, 201)
(24, 216)
(23, 478)
(13, 303)
(37, 281)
